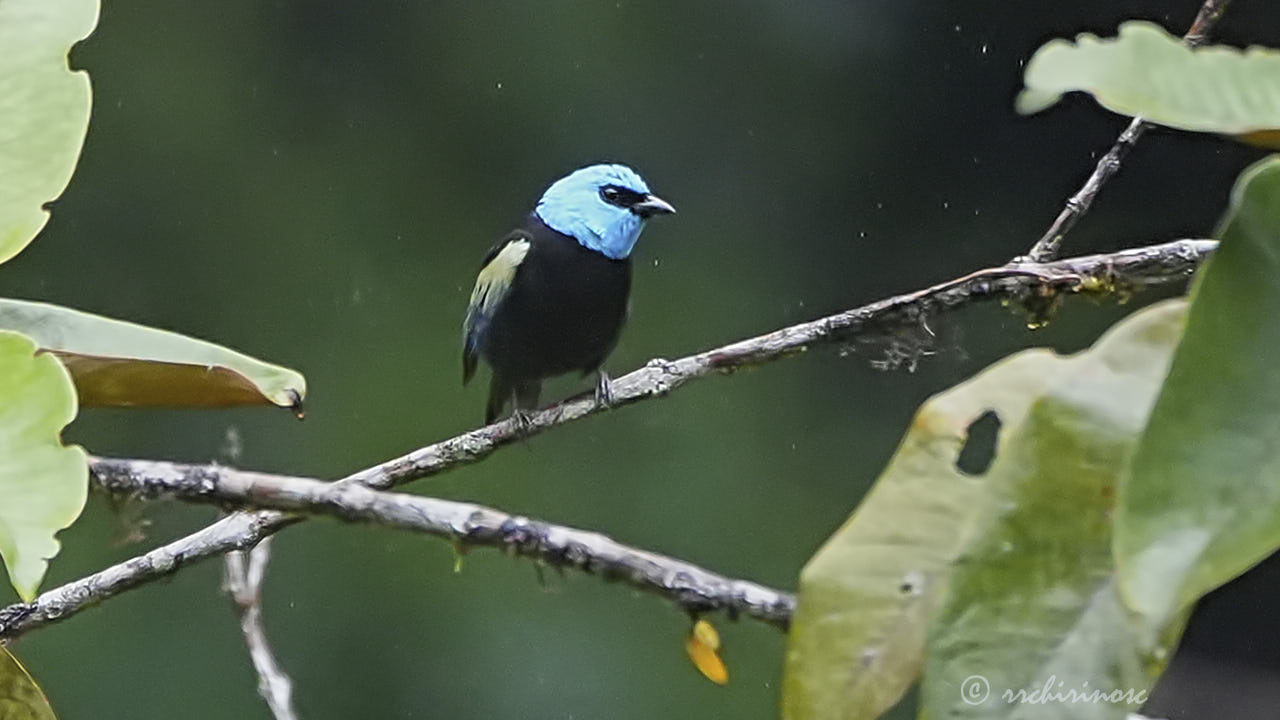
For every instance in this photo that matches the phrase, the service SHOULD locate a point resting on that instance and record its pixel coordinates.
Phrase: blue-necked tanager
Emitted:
(551, 296)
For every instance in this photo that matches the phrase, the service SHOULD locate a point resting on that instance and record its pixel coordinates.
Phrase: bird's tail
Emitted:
(502, 390)
(499, 394)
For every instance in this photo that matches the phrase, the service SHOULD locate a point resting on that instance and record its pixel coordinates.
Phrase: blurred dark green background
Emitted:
(314, 183)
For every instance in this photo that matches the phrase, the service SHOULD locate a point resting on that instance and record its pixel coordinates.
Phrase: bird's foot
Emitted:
(604, 390)
(522, 419)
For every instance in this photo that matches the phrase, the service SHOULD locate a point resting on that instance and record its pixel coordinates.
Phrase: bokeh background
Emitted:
(315, 183)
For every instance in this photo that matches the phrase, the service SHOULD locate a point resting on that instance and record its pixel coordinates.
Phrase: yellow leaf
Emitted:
(702, 645)
(705, 633)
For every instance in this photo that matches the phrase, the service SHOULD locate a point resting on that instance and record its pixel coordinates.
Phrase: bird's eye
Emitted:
(610, 194)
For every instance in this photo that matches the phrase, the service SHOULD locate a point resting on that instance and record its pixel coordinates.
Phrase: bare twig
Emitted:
(1034, 284)
(234, 532)
(1049, 244)
(1209, 15)
(244, 572)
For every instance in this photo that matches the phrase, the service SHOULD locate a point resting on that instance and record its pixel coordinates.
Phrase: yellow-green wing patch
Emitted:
(492, 284)
(495, 278)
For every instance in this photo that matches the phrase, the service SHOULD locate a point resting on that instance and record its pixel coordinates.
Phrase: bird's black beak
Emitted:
(652, 205)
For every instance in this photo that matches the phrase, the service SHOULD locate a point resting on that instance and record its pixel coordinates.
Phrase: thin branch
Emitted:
(1209, 15)
(1036, 285)
(238, 531)
(242, 580)
(1049, 244)
(465, 525)
(1033, 285)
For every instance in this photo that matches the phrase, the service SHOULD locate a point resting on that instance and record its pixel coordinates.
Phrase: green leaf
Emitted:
(116, 363)
(43, 484)
(44, 110)
(20, 697)
(1033, 604)
(1149, 73)
(1201, 503)
(866, 598)
(857, 638)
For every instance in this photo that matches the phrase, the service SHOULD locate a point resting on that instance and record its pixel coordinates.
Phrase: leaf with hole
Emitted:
(1033, 600)
(918, 544)
(857, 640)
(43, 484)
(44, 110)
(116, 363)
(1202, 502)
(1146, 72)
(20, 697)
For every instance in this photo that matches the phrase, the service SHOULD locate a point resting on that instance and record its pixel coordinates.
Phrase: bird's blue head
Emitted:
(603, 207)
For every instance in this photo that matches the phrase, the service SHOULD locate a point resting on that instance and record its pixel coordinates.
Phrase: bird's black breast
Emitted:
(564, 311)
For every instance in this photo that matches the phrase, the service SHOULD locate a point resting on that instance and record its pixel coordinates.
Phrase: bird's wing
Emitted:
(497, 272)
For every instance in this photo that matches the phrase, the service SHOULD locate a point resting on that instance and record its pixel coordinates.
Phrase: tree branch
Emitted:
(242, 580)
(238, 531)
(1033, 285)
(1049, 244)
(466, 525)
